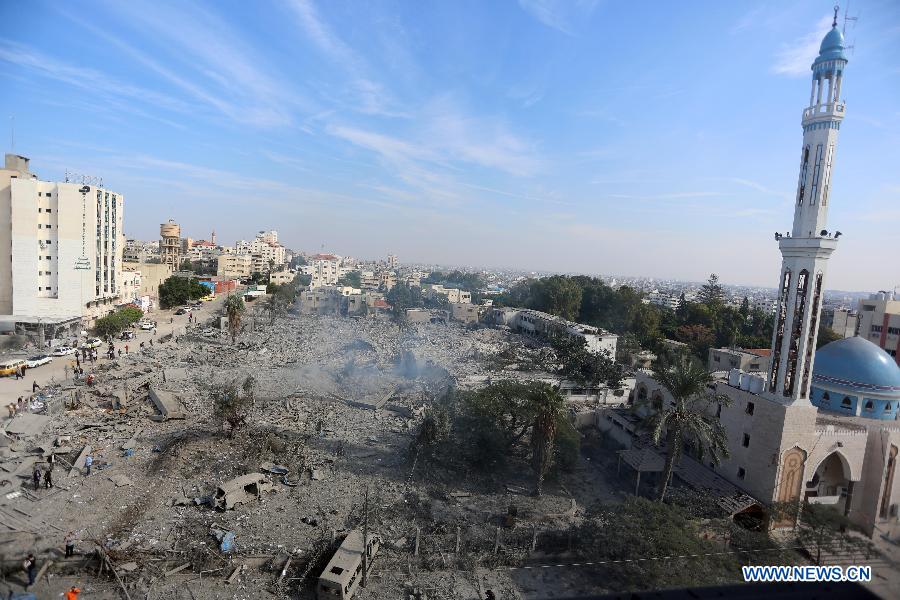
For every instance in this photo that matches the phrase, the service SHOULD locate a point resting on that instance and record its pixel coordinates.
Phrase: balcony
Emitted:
(824, 111)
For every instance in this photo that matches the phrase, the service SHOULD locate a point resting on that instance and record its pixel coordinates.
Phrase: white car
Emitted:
(37, 361)
(92, 343)
(63, 351)
(147, 325)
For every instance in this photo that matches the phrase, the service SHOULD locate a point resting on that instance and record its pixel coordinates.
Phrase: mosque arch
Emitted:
(884, 510)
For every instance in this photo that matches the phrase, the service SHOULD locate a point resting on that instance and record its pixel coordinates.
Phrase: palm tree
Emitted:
(689, 419)
(234, 307)
(547, 405)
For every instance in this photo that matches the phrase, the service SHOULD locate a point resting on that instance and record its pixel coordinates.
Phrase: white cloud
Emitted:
(562, 15)
(795, 59)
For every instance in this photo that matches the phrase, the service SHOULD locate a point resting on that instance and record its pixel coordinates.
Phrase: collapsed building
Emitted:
(545, 326)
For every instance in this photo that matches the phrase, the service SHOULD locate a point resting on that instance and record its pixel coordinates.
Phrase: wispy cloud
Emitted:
(370, 96)
(795, 58)
(755, 185)
(561, 15)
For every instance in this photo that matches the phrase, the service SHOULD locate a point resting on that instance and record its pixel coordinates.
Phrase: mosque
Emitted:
(819, 427)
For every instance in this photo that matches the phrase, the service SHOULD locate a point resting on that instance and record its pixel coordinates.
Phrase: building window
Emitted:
(876, 328)
(746, 442)
(39, 225)
(48, 227)
(48, 210)
(718, 410)
(39, 209)
(49, 241)
(869, 405)
(741, 472)
(893, 330)
(48, 258)
(750, 408)
(846, 402)
(887, 407)
(826, 397)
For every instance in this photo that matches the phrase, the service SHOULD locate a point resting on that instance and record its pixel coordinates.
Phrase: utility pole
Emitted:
(365, 574)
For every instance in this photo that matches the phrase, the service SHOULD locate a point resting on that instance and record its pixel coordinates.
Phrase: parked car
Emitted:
(9, 367)
(63, 351)
(147, 325)
(37, 361)
(181, 311)
(196, 304)
(92, 343)
(126, 335)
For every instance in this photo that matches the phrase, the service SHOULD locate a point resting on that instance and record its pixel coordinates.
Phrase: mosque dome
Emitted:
(854, 376)
(832, 47)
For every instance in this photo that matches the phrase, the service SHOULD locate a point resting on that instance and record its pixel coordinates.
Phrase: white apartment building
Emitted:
(453, 295)
(265, 248)
(663, 299)
(61, 247)
(324, 269)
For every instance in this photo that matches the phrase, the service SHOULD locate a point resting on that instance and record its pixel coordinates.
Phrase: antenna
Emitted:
(852, 20)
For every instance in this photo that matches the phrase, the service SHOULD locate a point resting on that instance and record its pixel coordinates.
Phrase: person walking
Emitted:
(69, 541)
(36, 475)
(66, 370)
(48, 478)
(12, 410)
(30, 567)
(126, 348)
(18, 374)
(34, 386)
(88, 463)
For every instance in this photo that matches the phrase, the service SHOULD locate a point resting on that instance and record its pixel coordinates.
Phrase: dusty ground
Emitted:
(314, 375)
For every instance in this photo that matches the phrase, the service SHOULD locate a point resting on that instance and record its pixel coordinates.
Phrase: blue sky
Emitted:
(657, 139)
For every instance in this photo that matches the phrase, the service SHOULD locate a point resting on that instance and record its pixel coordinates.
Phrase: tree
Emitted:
(548, 406)
(186, 265)
(176, 291)
(745, 307)
(698, 337)
(557, 295)
(234, 308)
(402, 297)
(352, 279)
(712, 294)
(689, 420)
(433, 432)
(113, 324)
(826, 335)
(825, 529)
(587, 368)
(275, 306)
(232, 405)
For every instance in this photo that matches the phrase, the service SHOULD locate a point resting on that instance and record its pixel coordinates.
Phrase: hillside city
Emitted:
(188, 416)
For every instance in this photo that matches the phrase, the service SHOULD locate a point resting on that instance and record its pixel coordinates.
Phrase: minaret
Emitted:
(213, 237)
(806, 249)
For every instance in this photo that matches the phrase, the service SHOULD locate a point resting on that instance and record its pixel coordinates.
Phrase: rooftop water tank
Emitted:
(745, 381)
(734, 377)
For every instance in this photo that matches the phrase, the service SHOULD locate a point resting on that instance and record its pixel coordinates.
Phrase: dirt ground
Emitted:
(316, 379)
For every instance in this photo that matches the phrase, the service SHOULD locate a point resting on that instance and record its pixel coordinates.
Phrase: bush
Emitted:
(176, 291)
(115, 323)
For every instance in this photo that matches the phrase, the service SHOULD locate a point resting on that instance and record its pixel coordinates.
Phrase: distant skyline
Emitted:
(546, 135)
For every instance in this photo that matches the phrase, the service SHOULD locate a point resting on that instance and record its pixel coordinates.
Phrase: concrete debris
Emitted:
(120, 480)
(167, 404)
(27, 424)
(241, 490)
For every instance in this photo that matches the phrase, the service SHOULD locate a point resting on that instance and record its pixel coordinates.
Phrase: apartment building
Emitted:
(324, 269)
(234, 265)
(453, 295)
(879, 322)
(61, 247)
(750, 361)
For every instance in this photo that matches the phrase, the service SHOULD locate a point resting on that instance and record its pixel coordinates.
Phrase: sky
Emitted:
(646, 139)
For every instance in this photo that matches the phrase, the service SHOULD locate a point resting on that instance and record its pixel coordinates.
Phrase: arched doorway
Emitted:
(830, 482)
(884, 511)
(790, 483)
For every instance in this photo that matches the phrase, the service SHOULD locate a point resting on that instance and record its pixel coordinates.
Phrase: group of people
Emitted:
(43, 475)
(15, 408)
(20, 373)
(31, 570)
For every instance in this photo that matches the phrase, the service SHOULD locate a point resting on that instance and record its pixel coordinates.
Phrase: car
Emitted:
(197, 303)
(181, 311)
(63, 351)
(91, 343)
(9, 367)
(147, 325)
(37, 361)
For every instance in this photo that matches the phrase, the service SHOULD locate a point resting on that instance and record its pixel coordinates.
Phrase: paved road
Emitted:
(11, 389)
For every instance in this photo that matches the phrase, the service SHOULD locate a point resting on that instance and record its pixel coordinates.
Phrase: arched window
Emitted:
(887, 407)
(869, 405)
(826, 397)
(846, 402)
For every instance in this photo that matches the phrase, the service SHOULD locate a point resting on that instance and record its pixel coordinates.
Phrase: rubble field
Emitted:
(337, 402)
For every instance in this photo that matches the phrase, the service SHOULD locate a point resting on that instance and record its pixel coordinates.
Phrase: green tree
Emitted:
(826, 335)
(234, 309)
(690, 419)
(587, 368)
(548, 406)
(232, 405)
(176, 291)
(113, 324)
(557, 295)
(402, 297)
(276, 307)
(352, 279)
(712, 294)
(824, 529)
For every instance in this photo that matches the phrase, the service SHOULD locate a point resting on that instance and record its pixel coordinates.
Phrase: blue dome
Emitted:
(832, 47)
(858, 364)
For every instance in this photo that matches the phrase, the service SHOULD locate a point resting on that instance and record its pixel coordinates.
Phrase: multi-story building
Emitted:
(844, 322)
(138, 251)
(61, 247)
(453, 295)
(751, 361)
(324, 269)
(879, 322)
(663, 299)
(170, 244)
(234, 265)
(152, 276)
(545, 326)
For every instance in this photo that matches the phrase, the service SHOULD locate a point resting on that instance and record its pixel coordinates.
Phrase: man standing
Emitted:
(34, 386)
(30, 566)
(72, 594)
(48, 477)
(69, 541)
(36, 475)
(88, 463)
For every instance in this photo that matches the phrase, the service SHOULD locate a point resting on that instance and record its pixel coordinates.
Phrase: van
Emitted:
(9, 367)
